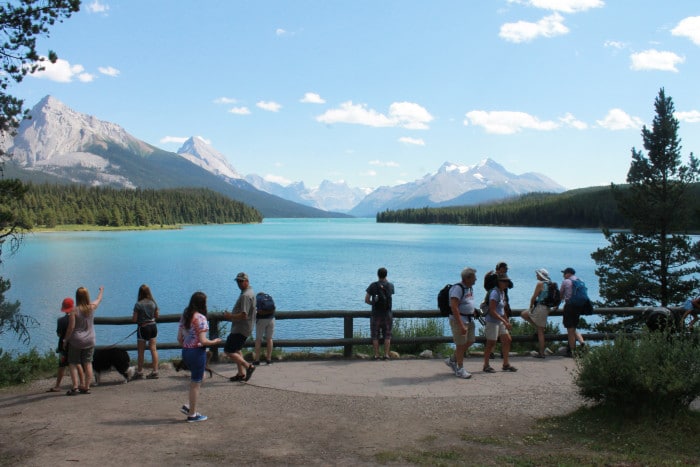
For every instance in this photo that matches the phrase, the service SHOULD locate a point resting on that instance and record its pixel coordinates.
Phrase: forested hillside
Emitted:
(49, 205)
(583, 208)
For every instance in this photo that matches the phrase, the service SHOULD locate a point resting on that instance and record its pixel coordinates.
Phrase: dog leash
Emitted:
(122, 340)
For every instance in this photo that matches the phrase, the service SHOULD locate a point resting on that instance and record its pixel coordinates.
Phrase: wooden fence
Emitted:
(347, 341)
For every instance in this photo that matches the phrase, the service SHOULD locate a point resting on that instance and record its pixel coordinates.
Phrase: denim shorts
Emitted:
(196, 360)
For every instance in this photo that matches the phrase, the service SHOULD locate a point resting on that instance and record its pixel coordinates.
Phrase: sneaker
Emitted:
(185, 409)
(451, 363)
(198, 417)
(462, 373)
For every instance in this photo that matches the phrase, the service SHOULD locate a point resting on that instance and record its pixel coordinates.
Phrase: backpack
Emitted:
(579, 293)
(382, 300)
(264, 304)
(443, 299)
(553, 298)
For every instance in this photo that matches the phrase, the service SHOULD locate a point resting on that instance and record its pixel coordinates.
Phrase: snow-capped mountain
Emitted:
(329, 196)
(203, 154)
(453, 185)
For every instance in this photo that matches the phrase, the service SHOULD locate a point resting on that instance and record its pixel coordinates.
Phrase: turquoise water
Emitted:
(305, 264)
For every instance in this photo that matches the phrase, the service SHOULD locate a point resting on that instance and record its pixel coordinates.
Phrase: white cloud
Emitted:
(523, 31)
(225, 100)
(692, 116)
(565, 6)
(173, 139)
(239, 111)
(369, 173)
(280, 180)
(109, 71)
(688, 27)
(270, 106)
(280, 32)
(414, 141)
(312, 98)
(655, 60)
(97, 7)
(570, 120)
(379, 163)
(63, 72)
(615, 45)
(507, 122)
(618, 119)
(401, 114)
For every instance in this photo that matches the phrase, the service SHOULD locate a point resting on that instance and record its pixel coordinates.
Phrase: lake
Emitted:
(305, 264)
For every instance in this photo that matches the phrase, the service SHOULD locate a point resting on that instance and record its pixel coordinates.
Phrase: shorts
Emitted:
(196, 361)
(264, 327)
(147, 332)
(234, 343)
(463, 339)
(493, 330)
(383, 322)
(80, 356)
(539, 315)
(62, 359)
(571, 316)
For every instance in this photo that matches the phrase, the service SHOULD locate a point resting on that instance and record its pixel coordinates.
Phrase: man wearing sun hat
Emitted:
(61, 326)
(242, 318)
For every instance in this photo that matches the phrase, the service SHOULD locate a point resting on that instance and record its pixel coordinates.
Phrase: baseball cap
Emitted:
(67, 305)
(241, 276)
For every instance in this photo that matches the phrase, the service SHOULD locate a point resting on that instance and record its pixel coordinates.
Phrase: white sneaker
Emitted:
(462, 373)
(451, 363)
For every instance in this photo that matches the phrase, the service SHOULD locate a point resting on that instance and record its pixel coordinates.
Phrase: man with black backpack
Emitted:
(378, 294)
(462, 321)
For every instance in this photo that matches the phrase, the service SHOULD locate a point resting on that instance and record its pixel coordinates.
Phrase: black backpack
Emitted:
(443, 299)
(382, 299)
(264, 304)
(553, 298)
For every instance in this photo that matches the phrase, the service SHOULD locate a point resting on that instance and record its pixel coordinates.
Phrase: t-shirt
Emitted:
(191, 336)
(61, 328)
(499, 297)
(245, 304)
(373, 291)
(145, 311)
(465, 295)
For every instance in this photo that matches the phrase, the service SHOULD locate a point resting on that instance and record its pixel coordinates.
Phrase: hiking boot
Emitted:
(451, 363)
(462, 373)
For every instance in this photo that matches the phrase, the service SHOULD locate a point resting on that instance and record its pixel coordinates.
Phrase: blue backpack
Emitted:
(579, 293)
(265, 305)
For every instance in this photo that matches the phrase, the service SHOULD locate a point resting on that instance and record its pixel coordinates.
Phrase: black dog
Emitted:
(105, 359)
(181, 365)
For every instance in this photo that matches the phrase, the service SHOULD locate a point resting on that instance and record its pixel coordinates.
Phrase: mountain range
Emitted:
(61, 145)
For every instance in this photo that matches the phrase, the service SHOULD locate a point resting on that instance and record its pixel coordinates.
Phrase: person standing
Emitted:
(491, 282)
(61, 328)
(242, 318)
(462, 321)
(572, 313)
(145, 316)
(538, 312)
(192, 336)
(497, 325)
(379, 295)
(264, 326)
(80, 340)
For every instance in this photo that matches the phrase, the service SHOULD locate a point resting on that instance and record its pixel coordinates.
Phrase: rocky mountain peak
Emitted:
(200, 152)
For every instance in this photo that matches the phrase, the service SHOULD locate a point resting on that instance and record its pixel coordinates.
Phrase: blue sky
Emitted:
(382, 92)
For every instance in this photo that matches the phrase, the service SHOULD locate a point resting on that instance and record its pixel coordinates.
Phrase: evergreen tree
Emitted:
(653, 263)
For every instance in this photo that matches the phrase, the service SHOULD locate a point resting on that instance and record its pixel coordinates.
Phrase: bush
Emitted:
(657, 373)
(26, 367)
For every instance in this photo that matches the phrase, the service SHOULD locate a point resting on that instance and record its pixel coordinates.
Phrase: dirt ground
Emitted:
(269, 421)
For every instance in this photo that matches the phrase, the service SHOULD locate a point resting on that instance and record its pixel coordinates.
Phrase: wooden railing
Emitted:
(347, 341)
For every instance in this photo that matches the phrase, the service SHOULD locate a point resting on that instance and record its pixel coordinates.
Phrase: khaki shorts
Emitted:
(493, 330)
(458, 337)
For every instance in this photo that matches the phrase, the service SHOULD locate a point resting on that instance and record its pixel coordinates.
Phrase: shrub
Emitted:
(26, 367)
(657, 373)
